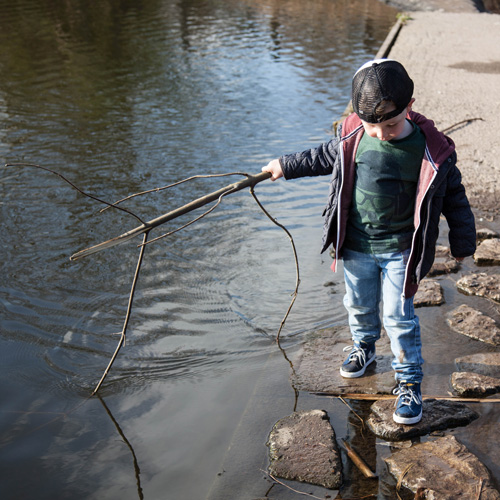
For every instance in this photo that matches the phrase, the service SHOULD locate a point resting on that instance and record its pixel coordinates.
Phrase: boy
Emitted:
(392, 175)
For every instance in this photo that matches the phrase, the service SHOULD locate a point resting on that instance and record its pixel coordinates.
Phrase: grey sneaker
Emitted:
(357, 361)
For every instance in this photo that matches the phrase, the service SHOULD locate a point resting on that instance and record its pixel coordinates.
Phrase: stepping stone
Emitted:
(442, 469)
(481, 284)
(483, 363)
(437, 415)
(469, 384)
(322, 356)
(485, 233)
(302, 447)
(488, 253)
(474, 324)
(444, 263)
(429, 293)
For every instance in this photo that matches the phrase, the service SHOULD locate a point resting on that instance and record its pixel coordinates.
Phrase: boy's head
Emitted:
(381, 89)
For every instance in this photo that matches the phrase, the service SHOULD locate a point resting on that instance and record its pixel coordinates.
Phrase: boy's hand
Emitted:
(459, 259)
(274, 168)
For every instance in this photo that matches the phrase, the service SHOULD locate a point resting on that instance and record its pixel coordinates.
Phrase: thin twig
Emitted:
(291, 489)
(75, 187)
(401, 477)
(350, 408)
(156, 190)
(468, 120)
(297, 280)
(127, 316)
(480, 489)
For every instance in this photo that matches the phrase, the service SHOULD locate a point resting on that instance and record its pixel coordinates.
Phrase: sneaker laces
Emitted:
(356, 352)
(406, 395)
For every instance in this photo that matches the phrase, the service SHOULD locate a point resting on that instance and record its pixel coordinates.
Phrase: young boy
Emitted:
(392, 175)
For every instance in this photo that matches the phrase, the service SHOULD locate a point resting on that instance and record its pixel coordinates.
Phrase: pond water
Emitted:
(121, 96)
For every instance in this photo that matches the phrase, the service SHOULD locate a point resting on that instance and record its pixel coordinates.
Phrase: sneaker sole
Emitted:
(406, 420)
(357, 374)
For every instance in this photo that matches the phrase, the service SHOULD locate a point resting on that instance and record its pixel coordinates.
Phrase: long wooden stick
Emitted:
(250, 181)
(379, 397)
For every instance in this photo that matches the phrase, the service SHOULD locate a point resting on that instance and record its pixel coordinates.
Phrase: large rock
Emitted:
(323, 353)
(488, 253)
(481, 284)
(483, 363)
(473, 323)
(469, 384)
(429, 293)
(442, 469)
(437, 415)
(302, 447)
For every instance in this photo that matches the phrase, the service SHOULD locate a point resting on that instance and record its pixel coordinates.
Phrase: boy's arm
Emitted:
(458, 213)
(308, 163)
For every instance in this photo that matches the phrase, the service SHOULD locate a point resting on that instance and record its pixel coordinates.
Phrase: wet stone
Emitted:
(437, 415)
(488, 253)
(469, 384)
(317, 369)
(483, 363)
(442, 469)
(430, 293)
(474, 324)
(481, 284)
(302, 447)
(485, 234)
(444, 263)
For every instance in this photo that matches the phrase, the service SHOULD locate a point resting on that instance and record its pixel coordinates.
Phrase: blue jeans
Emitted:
(368, 278)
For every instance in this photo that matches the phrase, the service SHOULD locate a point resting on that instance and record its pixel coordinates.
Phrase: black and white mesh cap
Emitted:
(380, 80)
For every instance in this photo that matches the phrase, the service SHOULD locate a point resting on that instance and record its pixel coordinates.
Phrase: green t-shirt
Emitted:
(383, 203)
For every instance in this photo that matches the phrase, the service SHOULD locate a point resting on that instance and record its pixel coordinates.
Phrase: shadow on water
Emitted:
(123, 96)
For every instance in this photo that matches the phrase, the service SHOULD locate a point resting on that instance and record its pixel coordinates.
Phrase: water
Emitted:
(124, 96)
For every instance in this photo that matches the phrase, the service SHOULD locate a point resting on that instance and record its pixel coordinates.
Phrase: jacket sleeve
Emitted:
(311, 162)
(458, 213)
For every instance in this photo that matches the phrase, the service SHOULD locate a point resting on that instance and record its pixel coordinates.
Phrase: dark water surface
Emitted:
(123, 96)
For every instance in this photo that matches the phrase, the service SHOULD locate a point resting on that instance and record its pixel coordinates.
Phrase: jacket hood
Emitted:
(439, 145)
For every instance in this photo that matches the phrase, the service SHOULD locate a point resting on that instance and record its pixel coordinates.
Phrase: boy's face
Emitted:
(389, 129)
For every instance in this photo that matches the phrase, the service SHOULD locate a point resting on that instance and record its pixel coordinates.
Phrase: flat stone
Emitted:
(483, 363)
(437, 415)
(317, 369)
(430, 293)
(442, 469)
(488, 253)
(481, 284)
(444, 263)
(474, 324)
(302, 447)
(486, 233)
(469, 384)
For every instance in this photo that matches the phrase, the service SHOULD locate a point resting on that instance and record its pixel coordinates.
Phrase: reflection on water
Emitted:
(122, 96)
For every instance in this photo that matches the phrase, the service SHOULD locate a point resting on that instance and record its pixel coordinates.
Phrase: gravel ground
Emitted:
(454, 60)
